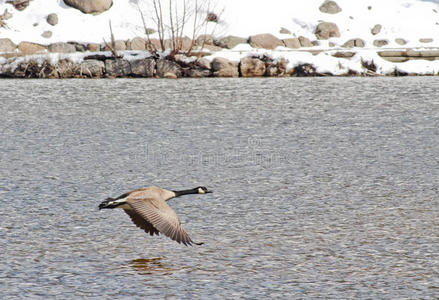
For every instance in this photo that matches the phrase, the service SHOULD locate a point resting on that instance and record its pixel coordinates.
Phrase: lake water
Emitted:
(323, 187)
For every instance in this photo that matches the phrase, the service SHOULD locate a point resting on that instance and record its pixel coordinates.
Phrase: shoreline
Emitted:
(260, 63)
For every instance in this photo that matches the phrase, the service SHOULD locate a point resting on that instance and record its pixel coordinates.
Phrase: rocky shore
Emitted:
(326, 52)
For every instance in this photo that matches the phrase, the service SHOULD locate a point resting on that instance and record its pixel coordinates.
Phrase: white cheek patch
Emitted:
(201, 191)
(118, 201)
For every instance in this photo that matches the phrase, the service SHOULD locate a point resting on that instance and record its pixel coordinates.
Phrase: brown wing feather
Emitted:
(162, 217)
(141, 222)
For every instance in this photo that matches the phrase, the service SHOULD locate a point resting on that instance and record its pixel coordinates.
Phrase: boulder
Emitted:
(168, 69)
(90, 6)
(119, 46)
(92, 68)
(252, 67)
(326, 30)
(28, 48)
(330, 7)
(203, 63)
(284, 31)
(376, 29)
(291, 43)
(52, 19)
(78, 46)
(212, 17)
(93, 47)
(62, 48)
(275, 68)
(354, 43)
(400, 41)
(265, 41)
(117, 67)
(380, 43)
(425, 40)
(136, 43)
(6, 45)
(153, 44)
(305, 42)
(186, 44)
(47, 34)
(230, 41)
(67, 69)
(198, 73)
(204, 39)
(222, 67)
(143, 67)
(19, 4)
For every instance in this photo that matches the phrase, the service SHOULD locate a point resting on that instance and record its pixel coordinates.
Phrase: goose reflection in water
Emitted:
(149, 266)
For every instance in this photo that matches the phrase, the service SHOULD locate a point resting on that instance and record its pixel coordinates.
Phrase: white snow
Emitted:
(407, 19)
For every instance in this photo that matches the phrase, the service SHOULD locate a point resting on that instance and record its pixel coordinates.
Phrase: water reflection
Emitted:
(149, 266)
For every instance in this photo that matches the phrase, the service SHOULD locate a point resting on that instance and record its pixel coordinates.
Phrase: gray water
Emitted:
(323, 187)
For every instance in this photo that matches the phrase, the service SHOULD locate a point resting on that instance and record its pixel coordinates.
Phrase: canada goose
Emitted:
(148, 209)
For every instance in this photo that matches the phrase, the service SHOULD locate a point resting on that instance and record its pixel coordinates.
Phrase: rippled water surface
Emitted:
(324, 187)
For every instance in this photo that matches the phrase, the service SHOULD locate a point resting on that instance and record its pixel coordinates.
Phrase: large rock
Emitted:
(400, 41)
(137, 43)
(119, 46)
(230, 41)
(252, 67)
(265, 40)
(291, 43)
(185, 44)
(47, 34)
(79, 47)
(117, 67)
(90, 6)
(67, 69)
(19, 4)
(28, 48)
(198, 73)
(425, 40)
(380, 43)
(6, 45)
(153, 44)
(93, 47)
(283, 30)
(52, 19)
(376, 29)
(222, 67)
(203, 63)
(204, 39)
(354, 43)
(62, 48)
(168, 69)
(92, 68)
(326, 30)
(305, 42)
(143, 67)
(330, 7)
(275, 68)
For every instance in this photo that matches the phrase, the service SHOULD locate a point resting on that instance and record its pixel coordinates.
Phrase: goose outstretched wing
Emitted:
(161, 216)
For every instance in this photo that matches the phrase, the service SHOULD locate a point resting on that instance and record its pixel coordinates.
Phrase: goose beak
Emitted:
(104, 204)
(209, 191)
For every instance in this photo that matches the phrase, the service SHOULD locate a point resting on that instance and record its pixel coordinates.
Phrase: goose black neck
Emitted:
(186, 192)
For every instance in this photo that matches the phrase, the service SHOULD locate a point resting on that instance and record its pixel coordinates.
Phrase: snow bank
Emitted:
(408, 19)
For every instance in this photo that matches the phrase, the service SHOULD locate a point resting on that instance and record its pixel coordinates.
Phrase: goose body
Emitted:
(148, 209)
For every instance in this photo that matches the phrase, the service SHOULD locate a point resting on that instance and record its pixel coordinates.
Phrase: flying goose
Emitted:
(148, 209)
